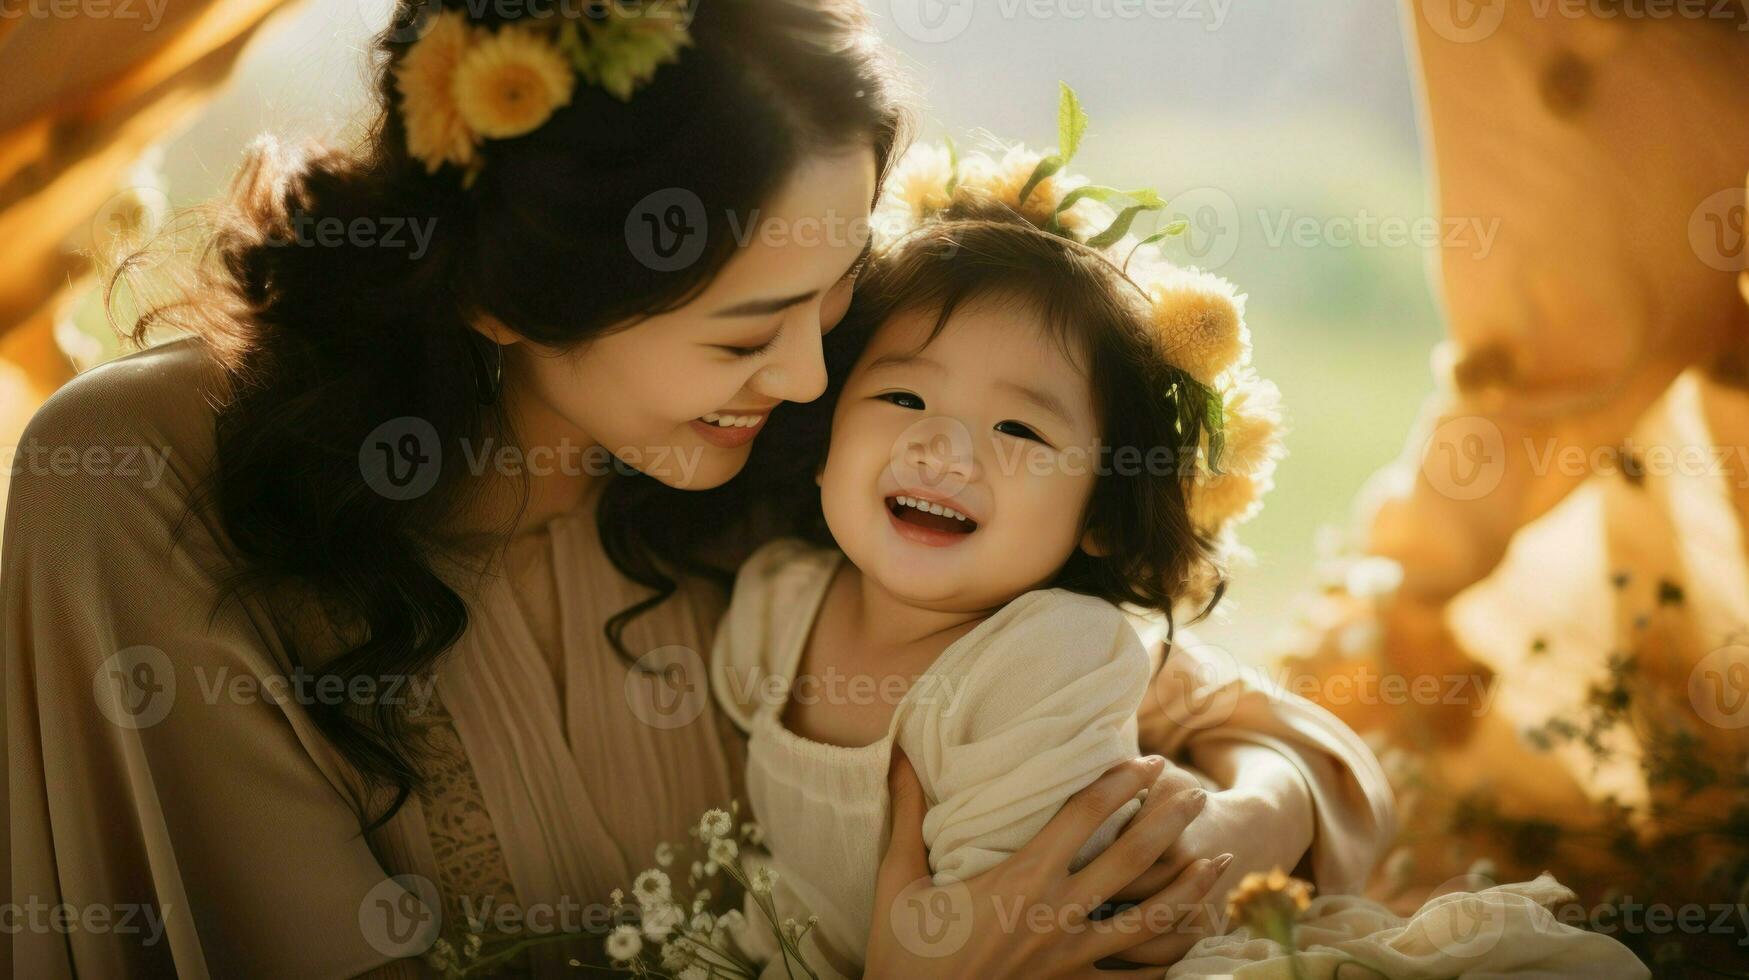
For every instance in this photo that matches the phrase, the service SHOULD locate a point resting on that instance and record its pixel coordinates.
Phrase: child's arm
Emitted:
(1016, 727)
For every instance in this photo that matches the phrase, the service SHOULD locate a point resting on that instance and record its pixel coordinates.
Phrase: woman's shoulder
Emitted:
(124, 443)
(161, 396)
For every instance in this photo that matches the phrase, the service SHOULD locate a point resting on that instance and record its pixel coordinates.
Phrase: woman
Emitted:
(429, 548)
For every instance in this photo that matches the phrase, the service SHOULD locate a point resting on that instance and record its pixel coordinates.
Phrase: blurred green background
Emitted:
(1246, 115)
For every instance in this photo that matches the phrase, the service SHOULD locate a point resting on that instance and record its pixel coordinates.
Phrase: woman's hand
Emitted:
(1265, 818)
(1029, 916)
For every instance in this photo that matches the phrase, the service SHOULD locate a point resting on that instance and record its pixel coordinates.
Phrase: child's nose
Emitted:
(940, 452)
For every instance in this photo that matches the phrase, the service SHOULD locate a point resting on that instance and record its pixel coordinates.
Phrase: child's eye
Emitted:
(903, 399)
(1017, 429)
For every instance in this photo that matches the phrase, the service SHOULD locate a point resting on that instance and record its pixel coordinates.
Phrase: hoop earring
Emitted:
(488, 378)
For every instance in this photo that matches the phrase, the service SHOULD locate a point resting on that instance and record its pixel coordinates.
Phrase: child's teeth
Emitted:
(931, 507)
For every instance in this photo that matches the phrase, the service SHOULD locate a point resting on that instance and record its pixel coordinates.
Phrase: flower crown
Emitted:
(461, 83)
(1198, 319)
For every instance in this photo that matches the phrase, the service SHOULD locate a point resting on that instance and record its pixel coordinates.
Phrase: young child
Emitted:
(1024, 443)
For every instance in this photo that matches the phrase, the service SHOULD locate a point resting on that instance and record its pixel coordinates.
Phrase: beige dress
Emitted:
(209, 825)
(189, 823)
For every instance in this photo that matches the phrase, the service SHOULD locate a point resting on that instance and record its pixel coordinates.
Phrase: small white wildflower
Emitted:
(694, 971)
(732, 919)
(697, 872)
(753, 833)
(702, 922)
(664, 854)
(676, 953)
(763, 878)
(710, 868)
(616, 898)
(714, 823)
(651, 887)
(661, 921)
(624, 944)
(442, 956)
(723, 850)
(791, 929)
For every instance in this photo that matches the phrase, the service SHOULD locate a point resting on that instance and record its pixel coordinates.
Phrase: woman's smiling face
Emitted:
(994, 425)
(681, 395)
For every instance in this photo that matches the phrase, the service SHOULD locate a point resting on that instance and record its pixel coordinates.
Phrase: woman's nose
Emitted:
(798, 372)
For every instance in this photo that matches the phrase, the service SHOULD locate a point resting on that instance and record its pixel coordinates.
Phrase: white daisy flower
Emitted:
(624, 944)
(763, 878)
(723, 850)
(660, 922)
(714, 823)
(652, 888)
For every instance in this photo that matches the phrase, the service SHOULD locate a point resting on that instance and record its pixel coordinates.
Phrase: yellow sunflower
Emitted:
(511, 83)
(436, 133)
(1200, 321)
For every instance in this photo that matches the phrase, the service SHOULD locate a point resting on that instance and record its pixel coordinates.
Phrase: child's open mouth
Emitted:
(927, 521)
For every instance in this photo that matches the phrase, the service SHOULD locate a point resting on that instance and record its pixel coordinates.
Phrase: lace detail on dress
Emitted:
(472, 873)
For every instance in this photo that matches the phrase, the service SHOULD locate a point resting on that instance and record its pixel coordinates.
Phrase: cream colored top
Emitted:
(1007, 723)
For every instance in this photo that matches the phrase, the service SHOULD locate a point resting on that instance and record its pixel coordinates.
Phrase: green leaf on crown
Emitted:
(1117, 229)
(1071, 123)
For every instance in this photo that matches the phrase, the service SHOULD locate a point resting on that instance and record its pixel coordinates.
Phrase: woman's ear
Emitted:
(493, 329)
(1091, 543)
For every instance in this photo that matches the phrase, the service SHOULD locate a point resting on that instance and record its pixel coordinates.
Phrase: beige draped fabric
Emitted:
(81, 98)
(1578, 486)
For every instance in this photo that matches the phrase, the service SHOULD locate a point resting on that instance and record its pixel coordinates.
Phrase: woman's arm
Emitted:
(1028, 916)
(154, 783)
(1290, 785)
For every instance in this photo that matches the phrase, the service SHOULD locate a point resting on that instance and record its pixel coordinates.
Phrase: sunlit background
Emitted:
(1265, 123)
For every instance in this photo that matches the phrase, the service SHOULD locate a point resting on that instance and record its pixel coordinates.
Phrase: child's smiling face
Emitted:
(992, 420)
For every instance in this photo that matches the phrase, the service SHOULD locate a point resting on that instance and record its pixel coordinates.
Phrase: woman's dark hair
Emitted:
(979, 250)
(324, 339)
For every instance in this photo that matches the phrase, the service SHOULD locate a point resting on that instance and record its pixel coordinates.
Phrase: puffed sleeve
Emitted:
(769, 588)
(1020, 721)
(163, 820)
(1202, 696)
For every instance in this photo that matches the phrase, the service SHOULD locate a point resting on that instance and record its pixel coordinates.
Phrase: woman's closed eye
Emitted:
(752, 351)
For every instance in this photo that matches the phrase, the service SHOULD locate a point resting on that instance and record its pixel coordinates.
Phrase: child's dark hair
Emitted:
(979, 249)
